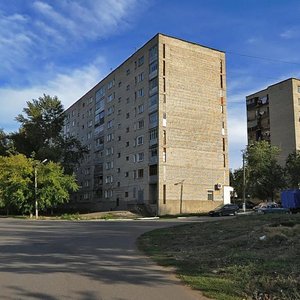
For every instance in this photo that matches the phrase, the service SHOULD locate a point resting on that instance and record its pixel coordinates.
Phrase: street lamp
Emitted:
(244, 181)
(181, 192)
(36, 186)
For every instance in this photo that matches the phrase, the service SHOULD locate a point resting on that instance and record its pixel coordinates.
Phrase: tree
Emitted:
(53, 185)
(292, 169)
(17, 184)
(236, 181)
(16, 190)
(4, 143)
(41, 133)
(265, 175)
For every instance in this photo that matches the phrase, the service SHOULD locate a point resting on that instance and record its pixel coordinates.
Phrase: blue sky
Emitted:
(63, 48)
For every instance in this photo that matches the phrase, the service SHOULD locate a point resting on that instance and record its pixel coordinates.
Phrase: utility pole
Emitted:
(36, 187)
(244, 182)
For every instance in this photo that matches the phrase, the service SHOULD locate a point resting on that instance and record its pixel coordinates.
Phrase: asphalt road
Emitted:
(82, 260)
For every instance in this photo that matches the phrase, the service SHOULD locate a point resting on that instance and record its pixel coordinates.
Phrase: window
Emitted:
(100, 141)
(109, 124)
(140, 61)
(140, 92)
(153, 134)
(140, 173)
(298, 101)
(164, 68)
(127, 115)
(110, 110)
(126, 174)
(99, 118)
(221, 81)
(164, 137)
(126, 194)
(127, 71)
(141, 124)
(141, 108)
(127, 144)
(153, 53)
(87, 183)
(153, 84)
(152, 170)
(127, 158)
(164, 154)
(153, 67)
(223, 144)
(210, 195)
(109, 151)
(298, 88)
(109, 179)
(140, 156)
(111, 97)
(140, 77)
(100, 93)
(119, 155)
(128, 87)
(109, 165)
(164, 194)
(89, 135)
(111, 84)
(110, 137)
(164, 119)
(127, 129)
(153, 100)
(99, 104)
(140, 140)
(153, 118)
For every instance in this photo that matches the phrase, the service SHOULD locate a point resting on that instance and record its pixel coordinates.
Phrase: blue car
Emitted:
(273, 208)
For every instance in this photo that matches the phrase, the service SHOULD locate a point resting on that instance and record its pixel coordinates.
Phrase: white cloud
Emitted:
(67, 87)
(291, 33)
(90, 19)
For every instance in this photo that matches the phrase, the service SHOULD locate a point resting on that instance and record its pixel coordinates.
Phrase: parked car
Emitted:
(264, 205)
(249, 204)
(224, 210)
(273, 208)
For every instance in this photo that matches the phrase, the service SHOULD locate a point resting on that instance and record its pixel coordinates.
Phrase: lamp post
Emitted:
(244, 181)
(36, 187)
(181, 192)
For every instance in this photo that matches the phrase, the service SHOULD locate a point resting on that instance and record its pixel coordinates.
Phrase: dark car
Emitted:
(273, 209)
(224, 210)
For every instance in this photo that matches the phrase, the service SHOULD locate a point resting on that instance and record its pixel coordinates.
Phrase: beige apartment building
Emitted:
(273, 115)
(156, 130)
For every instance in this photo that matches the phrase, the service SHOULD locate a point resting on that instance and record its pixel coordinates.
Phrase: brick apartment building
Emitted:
(156, 130)
(273, 115)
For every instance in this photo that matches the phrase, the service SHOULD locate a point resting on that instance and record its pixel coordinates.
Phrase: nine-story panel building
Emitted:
(156, 131)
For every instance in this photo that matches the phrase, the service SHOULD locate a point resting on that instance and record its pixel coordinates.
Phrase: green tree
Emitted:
(236, 181)
(4, 143)
(292, 169)
(41, 133)
(17, 184)
(53, 185)
(16, 190)
(265, 175)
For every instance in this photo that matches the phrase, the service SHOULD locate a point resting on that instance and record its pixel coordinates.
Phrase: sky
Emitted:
(64, 47)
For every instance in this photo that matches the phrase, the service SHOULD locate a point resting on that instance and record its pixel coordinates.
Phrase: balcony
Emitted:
(153, 160)
(153, 179)
(152, 142)
(152, 74)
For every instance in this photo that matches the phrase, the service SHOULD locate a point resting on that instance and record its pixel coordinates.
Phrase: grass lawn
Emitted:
(247, 257)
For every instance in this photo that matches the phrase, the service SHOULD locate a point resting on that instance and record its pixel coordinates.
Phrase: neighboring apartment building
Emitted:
(156, 129)
(273, 115)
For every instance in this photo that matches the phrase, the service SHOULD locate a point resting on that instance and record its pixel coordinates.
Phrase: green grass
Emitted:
(241, 258)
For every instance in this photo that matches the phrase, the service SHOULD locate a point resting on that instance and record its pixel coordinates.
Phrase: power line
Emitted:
(264, 58)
